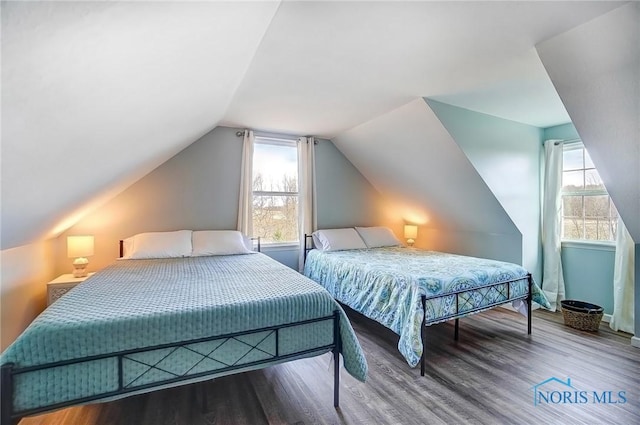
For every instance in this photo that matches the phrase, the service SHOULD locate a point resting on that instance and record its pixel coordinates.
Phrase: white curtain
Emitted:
(245, 217)
(623, 281)
(307, 221)
(552, 279)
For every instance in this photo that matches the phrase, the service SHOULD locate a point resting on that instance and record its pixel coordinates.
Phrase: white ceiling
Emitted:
(96, 94)
(323, 68)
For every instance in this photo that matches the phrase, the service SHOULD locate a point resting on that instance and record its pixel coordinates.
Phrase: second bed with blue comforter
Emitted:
(387, 285)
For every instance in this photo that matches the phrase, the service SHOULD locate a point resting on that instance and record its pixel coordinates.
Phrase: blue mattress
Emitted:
(386, 285)
(145, 303)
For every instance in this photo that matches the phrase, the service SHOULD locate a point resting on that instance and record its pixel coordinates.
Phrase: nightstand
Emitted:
(61, 285)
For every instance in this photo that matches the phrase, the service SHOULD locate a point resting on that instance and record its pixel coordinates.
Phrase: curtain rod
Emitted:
(571, 141)
(240, 133)
(566, 142)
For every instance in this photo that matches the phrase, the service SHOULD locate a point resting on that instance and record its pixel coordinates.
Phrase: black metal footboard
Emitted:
(457, 314)
(267, 337)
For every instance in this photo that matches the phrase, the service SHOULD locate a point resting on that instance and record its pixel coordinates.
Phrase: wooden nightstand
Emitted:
(61, 285)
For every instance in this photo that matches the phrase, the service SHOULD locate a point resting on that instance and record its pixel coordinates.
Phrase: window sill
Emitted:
(280, 247)
(595, 245)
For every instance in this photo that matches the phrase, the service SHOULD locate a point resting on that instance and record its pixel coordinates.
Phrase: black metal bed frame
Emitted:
(9, 371)
(458, 314)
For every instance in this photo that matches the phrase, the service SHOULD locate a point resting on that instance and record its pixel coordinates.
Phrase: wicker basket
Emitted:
(581, 315)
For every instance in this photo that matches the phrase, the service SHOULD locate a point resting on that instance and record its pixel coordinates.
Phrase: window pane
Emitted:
(588, 163)
(587, 211)
(591, 228)
(572, 206)
(614, 222)
(573, 180)
(614, 211)
(275, 218)
(592, 180)
(572, 159)
(604, 230)
(596, 206)
(572, 227)
(275, 168)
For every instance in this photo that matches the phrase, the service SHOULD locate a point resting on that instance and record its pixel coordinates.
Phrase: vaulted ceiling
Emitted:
(97, 94)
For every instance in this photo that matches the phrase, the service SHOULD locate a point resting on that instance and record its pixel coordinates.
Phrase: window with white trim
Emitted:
(275, 190)
(587, 211)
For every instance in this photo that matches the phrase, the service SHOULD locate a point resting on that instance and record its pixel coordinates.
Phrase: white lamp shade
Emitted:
(410, 231)
(79, 246)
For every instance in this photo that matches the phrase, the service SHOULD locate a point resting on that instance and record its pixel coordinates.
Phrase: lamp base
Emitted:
(80, 267)
(410, 242)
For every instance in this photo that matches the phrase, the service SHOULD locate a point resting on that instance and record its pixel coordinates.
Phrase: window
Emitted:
(587, 211)
(275, 190)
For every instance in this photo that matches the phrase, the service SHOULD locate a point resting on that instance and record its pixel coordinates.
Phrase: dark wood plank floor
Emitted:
(484, 378)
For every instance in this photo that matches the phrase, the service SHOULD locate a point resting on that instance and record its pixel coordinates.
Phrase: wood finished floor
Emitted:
(484, 378)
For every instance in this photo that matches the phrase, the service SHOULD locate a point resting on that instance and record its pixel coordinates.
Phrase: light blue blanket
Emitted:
(386, 285)
(142, 303)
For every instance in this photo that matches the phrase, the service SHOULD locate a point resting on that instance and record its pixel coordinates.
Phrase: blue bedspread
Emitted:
(386, 285)
(142, 303)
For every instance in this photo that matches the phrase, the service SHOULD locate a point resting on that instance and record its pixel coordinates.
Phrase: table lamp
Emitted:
(80, 247)
(410, 233)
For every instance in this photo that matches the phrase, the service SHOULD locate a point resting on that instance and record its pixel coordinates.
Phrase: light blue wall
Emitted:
(587, 268)
(588, 273)
(288, 256)
(561, 132)
(506, 154)
(198, 189)
(345, 197)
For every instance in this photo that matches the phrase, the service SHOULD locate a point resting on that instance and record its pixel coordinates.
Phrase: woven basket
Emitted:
(581, 315)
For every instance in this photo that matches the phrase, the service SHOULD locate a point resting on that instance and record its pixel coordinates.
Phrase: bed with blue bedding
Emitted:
(406, 289)
(142, 325)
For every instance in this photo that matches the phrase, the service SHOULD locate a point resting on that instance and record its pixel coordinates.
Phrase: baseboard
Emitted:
(635, 341)
(606, 318)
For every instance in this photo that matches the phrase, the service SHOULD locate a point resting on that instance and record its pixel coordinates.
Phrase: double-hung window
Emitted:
(587, 211)
(275, 190)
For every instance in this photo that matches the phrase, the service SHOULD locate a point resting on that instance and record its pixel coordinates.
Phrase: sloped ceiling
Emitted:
(324, 67)
(413, 161)
(96, 94)
(408, 155)
(596, 70)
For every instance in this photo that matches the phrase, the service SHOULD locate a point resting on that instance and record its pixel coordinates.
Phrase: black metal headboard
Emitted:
(306, 246)
(257, 238)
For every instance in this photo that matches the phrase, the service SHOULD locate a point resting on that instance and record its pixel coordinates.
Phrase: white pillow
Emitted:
(127, 247)
(218, 242)
(158, 245)
(337, 239)
(248, 242)
(378, 236)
